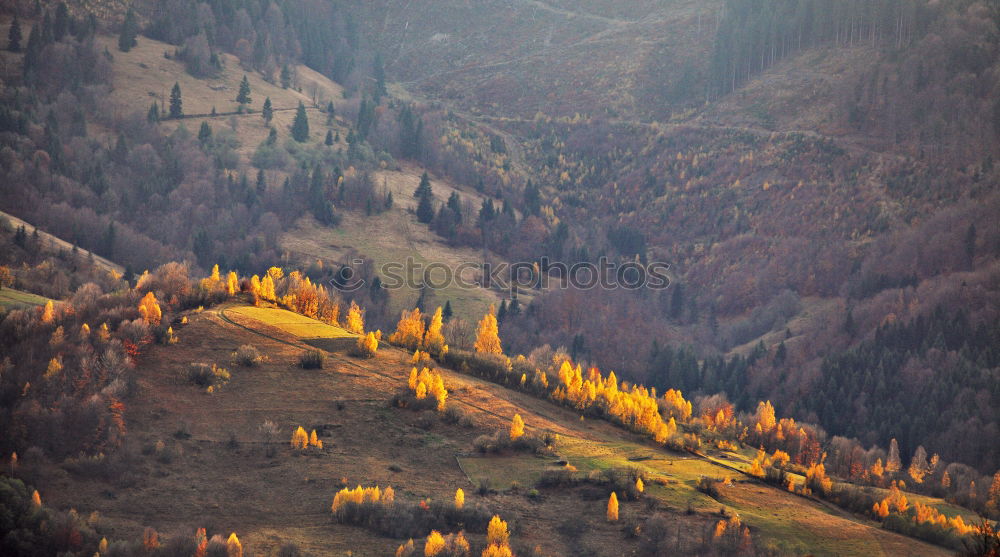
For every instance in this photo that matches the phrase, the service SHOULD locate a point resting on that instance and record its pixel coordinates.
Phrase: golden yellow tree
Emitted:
(435, 544)
(639, 486)
(613, 507)
(434, 341)
(300, 439)
(459, 498)
(409, 330)
(36, 499)
(84, 331)
(516, 427)
(232, 283)
(267, 289)
(149, 309)
(213, 281)
(355, 320)
(496, 532)
(367, 345)
(233, 546)
(48, 312)
(488, 334)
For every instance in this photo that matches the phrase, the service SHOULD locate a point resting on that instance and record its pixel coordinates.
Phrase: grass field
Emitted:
(11, 299)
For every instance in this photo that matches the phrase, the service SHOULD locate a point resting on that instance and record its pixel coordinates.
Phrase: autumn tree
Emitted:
(496, 532)
(232, 283)
(434, 341)
(516, 427)
(409, 330)
(488, 334)
(149, 309)
(355, 319)
(434, 545)
(613, 507)
(48, 312)
(460, 497)
(233, 546)
(300, 439)
(367, 345)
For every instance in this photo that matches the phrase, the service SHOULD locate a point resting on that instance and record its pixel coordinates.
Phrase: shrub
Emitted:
(312, 359)
(209, 376)
(708, 486)
(247, 355)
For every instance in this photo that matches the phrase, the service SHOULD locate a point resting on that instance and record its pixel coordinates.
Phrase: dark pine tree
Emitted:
(14, 36)
(267, 112)
(176, 104)
(153, 116)
(286, 77)
(60, 26)
(205, 132)
(455, 204)
(424, 188)
(330, 113)
(243, 96)
(329, 138)
(425, 206)
(130, 29)
(447, 312)
(300, 126)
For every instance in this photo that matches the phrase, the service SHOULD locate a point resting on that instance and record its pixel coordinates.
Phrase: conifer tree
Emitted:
(330, 113)
(176, 103)
(130, 29)
(153, 116)
(14, 36)
(300, 126)
(243, 96)
(329, 138)
(267, 112)
(204, 132)
(286, 77)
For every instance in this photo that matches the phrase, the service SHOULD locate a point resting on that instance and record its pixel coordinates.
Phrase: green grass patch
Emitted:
(12, 299)
(501, 472)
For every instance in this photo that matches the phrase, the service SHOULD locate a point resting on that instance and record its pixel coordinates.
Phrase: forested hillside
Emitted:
(819, 175)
